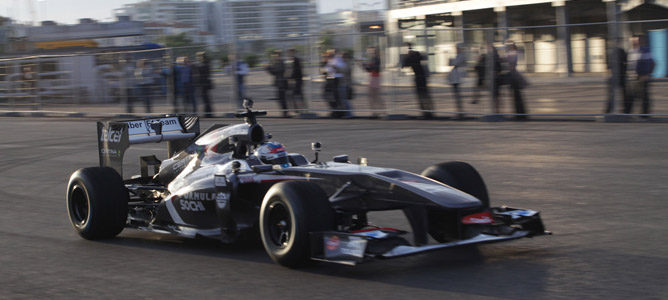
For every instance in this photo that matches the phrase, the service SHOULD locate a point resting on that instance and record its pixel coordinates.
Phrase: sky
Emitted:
(70, 11)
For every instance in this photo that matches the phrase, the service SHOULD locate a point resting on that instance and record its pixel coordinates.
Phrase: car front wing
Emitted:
(356, 247)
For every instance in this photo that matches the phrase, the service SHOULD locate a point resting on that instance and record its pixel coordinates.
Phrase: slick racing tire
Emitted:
(97, 202)
(443, 225)
(459, 175)
(290, 210)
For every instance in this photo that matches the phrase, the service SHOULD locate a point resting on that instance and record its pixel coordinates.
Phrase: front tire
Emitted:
(97, 202)
(444, 224)
(290, 210)
(460, 175)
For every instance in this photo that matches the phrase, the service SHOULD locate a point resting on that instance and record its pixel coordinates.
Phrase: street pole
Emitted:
(489, 69)
(612, 9)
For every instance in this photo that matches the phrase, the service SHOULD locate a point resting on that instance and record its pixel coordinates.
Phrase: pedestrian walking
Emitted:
(241, 70)
(413, 59)
(516, 81)
(145, 80)
(346, 83)
(204, 83)
(295, 84)
(29, 83)
(456, 77)
(480, 69)
(129, 85)
(643, 65)
(497, 78)
(277, 69)
(372, 66)
(183, 84)
(165, 74)
(332, 64)
(620, 82)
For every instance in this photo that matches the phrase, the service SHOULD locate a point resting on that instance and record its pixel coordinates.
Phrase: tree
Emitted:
(252, 60)
(176, 40)
(182, 44)
(326, 41)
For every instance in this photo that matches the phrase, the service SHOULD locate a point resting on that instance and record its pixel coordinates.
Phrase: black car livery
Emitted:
(213, 186)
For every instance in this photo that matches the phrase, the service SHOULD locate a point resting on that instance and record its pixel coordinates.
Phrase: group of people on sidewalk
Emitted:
(288, 80)
(633, 76)
(504, 72)
(193, 81)
(337, 67)
(190, 82)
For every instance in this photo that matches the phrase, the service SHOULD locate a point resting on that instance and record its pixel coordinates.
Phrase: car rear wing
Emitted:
(114, 137)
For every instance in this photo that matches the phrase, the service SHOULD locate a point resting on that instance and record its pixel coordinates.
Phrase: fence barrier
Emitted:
(557, 77)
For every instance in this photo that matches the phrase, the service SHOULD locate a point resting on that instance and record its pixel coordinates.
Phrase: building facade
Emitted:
(345, 27)
(256, 24)
(244, 23)
(194, 14)
(541, 28)
(88, 33)
(197, 19)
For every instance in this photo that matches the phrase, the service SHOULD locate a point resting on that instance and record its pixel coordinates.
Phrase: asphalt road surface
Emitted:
(601, 187)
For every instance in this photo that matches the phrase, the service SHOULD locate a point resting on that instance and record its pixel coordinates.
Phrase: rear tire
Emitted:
(97, 202)
(443, 225)
(290, 210)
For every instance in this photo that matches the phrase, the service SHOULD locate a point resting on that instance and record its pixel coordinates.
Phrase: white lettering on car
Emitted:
(111, 136)
(133, 125)
(199, 196)
(187, 205)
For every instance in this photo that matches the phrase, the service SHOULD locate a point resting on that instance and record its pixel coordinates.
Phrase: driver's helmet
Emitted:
(272, 153)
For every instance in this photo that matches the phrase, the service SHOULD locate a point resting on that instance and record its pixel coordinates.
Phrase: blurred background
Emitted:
(575, 58)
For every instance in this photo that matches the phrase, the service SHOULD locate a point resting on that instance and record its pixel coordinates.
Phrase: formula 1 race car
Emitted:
(231, 182)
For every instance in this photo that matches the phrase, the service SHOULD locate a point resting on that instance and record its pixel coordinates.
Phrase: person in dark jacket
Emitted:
(204, 83)
(277, 69)
(643, 64)
(413, 59)
(144, 79)
(620, 83)
(184, 84)
(239, 68)
(516, 81)
(497, 78)
(480, 69)
(296, 82)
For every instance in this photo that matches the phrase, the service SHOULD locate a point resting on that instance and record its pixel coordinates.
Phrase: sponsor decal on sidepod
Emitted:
(199, 196)
(191, 205)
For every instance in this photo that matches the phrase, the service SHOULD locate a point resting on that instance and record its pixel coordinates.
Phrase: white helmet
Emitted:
(272, 153)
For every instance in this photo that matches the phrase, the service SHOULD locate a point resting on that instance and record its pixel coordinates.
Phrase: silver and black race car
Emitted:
(230, 182)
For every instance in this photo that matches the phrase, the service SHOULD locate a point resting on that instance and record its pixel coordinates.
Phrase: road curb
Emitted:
(307, 116)
(396, 117)
(10, 114)
(492, 118)
(614, 118)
